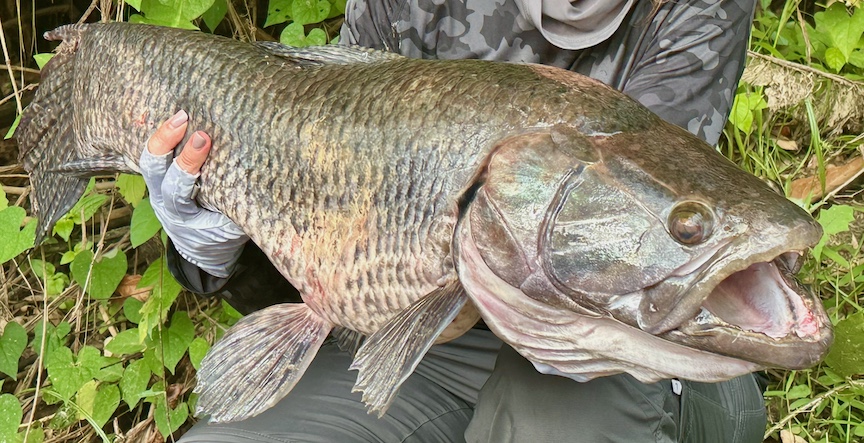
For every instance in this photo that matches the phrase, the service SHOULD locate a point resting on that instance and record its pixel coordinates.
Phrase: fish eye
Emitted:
(690, 222)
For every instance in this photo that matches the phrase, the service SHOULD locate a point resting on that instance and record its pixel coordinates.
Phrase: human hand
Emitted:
(207, 239)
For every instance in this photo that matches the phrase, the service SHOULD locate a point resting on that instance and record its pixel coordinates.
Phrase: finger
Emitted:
(194, 153)
(169, 134)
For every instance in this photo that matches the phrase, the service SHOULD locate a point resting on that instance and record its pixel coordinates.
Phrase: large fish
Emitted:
(403, 196)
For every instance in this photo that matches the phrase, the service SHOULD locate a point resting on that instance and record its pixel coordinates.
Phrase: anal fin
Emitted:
(390, 355)
(258, 361)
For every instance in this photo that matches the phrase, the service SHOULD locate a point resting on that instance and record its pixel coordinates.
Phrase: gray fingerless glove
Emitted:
(207, 239)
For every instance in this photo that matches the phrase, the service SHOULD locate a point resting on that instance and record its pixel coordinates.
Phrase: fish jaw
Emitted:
(762, 305)
(580, 345)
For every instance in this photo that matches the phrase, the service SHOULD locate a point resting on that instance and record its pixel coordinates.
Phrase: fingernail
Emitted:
(198, 142)
(178, 119)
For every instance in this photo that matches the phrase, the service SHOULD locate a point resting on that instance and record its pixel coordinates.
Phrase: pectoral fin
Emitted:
(258, 361)
(46, 138)
(390, 355)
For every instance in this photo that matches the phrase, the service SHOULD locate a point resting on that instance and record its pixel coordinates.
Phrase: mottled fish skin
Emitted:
(370, 214)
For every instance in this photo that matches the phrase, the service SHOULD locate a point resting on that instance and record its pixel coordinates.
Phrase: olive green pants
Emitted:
(460, 393)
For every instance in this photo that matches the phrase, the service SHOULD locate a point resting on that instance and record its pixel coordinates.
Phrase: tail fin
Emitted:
(46, 138)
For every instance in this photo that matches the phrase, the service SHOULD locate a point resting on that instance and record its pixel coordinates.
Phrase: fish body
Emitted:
(403, 198)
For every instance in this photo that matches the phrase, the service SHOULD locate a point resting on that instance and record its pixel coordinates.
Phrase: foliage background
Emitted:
(99, 343)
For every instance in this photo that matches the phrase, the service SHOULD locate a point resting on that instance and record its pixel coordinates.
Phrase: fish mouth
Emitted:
(762, 314)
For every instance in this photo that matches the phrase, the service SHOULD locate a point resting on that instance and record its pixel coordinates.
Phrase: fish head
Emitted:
(653, 230)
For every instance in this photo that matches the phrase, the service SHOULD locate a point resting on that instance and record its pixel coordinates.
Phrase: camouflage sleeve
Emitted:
(690, 69)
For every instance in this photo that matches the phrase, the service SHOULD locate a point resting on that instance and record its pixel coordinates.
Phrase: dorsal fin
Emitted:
(327, 55)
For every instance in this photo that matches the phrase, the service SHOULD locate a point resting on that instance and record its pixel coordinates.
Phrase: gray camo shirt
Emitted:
(682, 61)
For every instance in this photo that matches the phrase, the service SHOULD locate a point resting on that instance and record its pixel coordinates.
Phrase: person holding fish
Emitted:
(681, 59)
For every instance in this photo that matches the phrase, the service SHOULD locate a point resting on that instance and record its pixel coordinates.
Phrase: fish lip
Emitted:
(795, 321)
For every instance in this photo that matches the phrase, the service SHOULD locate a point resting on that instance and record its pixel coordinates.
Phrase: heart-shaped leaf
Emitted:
(10, 417)
(107, 272)
(12, 344)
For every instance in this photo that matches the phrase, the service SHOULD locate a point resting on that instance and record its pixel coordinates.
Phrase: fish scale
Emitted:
(405, 198)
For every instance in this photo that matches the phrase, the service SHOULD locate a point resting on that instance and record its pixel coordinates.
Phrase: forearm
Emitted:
(254, 283)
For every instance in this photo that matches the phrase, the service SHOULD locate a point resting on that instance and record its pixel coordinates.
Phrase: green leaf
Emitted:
(55, 282)
(144, 224)
(197, 351)
(98, 401)
(293, 35)
(12, 128)
(66, 374)
(112, 373)
(37, 434)
(4, 202)
(12, 345)
(316, 37)
(11, 414)
(835, 59)
(834, 220)
(125, 343)
(164, 292)
(85, 397)
(173, 13)
(107, 272)
(846, 356)
(229, 314)
(842, 30)
(135, 4)
(153, 362)
(42, 59)
(132, 188)
(278, 11)
(857, 58)
(215, 14)
(15, 238)
(90, 360)
(171, 342)
(54, 339)
(67, 257)
(134, 382)
(337, 8)
(132, 309)
(306, 12)
(41, 268)
(168, 421)
(86, 207)
(798, 391)
(746, 103)
(64, 227)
